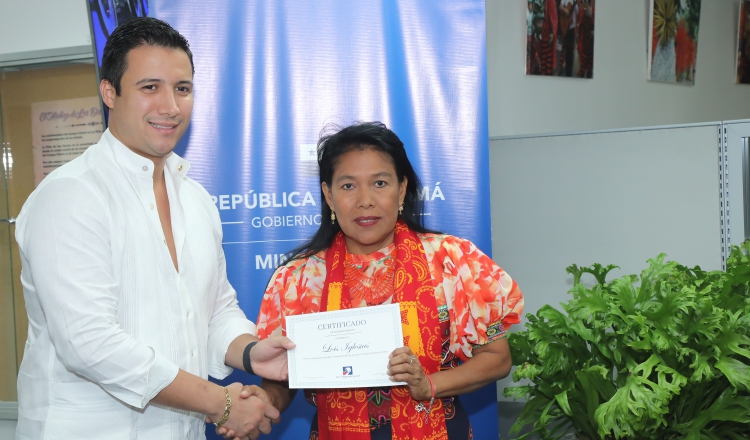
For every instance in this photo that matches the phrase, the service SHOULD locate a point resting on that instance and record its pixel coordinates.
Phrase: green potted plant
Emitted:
(662, 356)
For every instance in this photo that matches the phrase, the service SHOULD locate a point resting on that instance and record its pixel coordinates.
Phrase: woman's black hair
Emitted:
(335, 142)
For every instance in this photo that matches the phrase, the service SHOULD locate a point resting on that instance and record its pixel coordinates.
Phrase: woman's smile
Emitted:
(366, 222)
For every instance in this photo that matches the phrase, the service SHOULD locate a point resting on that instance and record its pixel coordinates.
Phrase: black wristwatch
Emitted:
(246, 357)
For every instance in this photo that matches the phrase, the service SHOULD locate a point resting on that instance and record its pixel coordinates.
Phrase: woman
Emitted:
(586, 16)
(548, 42)
(444, 283)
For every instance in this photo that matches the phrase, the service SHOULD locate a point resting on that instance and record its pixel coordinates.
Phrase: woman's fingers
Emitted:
(409, 378)
(412, 373)
(414, 368)
(400, 351)
(404, 366)
(402, 356)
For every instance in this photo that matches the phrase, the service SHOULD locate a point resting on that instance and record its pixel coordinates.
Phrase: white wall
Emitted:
(42, 25)
(611, 198)
(7, 429)
(619, 95)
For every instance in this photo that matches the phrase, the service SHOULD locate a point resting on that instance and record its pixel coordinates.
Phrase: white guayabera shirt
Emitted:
(110, 318)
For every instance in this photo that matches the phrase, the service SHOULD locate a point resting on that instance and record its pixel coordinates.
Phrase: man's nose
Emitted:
(168, 104)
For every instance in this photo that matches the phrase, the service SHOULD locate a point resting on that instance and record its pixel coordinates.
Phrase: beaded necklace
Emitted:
(372, 289)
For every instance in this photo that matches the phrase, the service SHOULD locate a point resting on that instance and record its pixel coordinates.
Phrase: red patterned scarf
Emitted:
(343, 413)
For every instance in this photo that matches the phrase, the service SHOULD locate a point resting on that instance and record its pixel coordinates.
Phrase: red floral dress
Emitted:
(476, 300)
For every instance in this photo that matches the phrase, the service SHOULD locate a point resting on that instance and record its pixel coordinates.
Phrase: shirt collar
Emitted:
(176, 167)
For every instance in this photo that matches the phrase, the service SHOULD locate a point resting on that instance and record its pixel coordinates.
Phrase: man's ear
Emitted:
(108, 93)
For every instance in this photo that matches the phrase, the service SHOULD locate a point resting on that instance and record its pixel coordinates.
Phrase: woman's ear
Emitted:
(327, 194)
(402, 190)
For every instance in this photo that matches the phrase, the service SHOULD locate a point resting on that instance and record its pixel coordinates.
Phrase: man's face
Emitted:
(153, 109)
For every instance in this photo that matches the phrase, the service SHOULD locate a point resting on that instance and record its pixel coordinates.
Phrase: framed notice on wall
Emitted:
(62, 131)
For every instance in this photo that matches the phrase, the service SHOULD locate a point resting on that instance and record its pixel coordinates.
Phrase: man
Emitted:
(124, 275)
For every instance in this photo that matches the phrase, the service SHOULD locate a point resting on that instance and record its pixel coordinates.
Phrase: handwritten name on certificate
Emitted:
(345, 348)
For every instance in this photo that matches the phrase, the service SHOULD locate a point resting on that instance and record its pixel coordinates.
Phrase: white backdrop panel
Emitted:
(736, 133)
(612, 198)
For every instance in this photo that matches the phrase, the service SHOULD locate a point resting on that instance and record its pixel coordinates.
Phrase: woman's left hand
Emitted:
(404, 366)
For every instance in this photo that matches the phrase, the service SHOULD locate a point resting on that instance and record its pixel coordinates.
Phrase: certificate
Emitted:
(345, 348)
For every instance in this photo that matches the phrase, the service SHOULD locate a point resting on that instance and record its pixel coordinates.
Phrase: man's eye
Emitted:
(183, 89)
(347, 186)
(149, 87)
(380, 183)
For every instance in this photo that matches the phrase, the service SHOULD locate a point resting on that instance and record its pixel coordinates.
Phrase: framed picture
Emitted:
(673, 40)
(743, 44)
(560, 38)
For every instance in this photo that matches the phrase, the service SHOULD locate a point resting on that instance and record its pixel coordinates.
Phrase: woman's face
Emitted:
(365, 194)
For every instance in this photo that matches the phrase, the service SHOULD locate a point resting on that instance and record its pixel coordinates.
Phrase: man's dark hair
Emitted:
(362, 136)
(134, 33)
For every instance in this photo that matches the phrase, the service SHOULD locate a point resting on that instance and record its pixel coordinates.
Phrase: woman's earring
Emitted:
(333, 217)
(401, 209)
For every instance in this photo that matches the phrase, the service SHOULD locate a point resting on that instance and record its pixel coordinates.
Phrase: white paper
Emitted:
(62, 131)
(345, 348)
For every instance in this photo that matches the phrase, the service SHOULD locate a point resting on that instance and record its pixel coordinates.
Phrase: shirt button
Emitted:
(145, 168)
(165, 241)
(179, 168)
(151, 206)
(192, 353)
(187, 314)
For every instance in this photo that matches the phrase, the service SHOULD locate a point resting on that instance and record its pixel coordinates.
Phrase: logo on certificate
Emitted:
(348, 371)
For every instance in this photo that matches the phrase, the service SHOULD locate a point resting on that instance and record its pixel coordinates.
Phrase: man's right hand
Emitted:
(250, 416)
(254, 390)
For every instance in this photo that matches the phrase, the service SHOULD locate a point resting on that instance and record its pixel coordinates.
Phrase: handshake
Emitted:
(248, 410)
(251, 413)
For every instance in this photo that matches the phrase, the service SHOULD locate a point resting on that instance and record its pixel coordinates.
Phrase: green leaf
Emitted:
(737, 372)
(728, 407)
(734, 341)
(701, 368)
(562, 402)
(519, 392)
(529, 414)
(641, 403)
(527, 371)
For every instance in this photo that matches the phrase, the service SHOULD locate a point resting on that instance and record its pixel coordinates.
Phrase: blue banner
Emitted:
(269, 75)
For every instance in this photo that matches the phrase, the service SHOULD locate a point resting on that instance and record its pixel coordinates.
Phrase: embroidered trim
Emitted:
(443, 314)
(496, 331)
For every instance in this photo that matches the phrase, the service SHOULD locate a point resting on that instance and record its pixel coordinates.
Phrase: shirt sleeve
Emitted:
(64, 239)
(271, 315)
(485, 300)
(228, 320)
